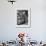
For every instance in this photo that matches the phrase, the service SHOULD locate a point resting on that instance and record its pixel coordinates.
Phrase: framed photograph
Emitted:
(23, 17)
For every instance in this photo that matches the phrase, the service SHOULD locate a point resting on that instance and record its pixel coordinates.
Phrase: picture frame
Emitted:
(23, 17)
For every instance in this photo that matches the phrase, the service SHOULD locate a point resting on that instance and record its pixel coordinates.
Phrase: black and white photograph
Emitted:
(23, 17)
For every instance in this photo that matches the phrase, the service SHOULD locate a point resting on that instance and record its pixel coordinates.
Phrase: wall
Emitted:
(8, 28)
